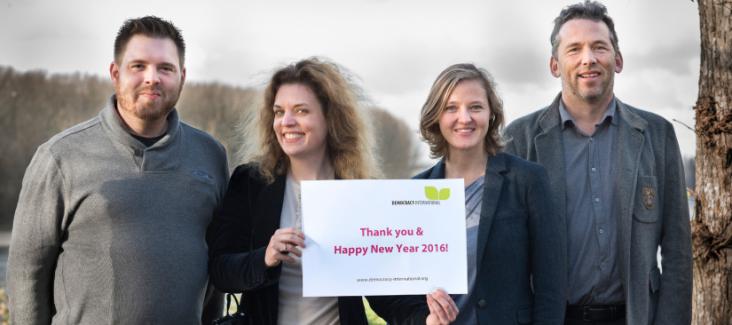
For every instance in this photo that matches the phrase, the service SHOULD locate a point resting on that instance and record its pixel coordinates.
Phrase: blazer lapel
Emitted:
(492, 188)
(438, 171)
(550, 154)
(629, 146)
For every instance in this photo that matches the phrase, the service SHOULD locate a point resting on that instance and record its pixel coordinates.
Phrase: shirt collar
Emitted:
(609, 114)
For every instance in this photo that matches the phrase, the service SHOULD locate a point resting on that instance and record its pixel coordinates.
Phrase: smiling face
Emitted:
(586, 62)
(147, 79)
(299, 122)
(464, 121)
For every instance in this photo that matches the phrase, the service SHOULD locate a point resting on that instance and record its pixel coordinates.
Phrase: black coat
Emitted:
(238, 237)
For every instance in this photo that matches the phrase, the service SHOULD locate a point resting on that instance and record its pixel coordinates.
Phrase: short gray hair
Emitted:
(591, 10)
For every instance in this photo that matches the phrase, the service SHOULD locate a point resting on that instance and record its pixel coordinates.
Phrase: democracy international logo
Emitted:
(433, 194)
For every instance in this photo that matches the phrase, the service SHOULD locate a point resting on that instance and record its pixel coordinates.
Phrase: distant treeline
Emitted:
(36, 105)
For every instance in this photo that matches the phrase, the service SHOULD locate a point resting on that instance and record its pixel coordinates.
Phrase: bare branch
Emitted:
(684, 124)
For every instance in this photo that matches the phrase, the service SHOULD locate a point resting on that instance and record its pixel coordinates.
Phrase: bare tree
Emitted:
(34, 106)
(712, 224)
(219, 110)
(395, 144)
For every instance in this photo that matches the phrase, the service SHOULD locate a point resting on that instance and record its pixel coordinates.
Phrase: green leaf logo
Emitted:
(431, 193)
(444, 193)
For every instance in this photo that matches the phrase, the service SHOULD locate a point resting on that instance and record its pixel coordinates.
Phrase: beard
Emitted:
(145, 108)
(595, 94)
(590, 96)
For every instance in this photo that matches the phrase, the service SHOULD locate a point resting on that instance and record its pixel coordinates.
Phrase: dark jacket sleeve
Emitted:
(213, 305)
(548, 252)
(674, 301)
(400, 309)
(234, 266)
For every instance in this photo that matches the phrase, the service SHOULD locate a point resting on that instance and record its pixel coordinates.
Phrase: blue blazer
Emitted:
(521, 268)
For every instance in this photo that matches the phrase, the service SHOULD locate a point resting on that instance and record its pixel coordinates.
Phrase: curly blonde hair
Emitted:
(429, 124)
(347, 141)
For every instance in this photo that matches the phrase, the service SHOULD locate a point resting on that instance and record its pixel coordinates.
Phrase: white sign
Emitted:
(383, 237)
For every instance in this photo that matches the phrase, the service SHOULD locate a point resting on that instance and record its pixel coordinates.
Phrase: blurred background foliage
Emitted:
(35, 105)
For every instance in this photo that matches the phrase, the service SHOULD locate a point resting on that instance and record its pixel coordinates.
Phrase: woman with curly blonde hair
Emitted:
(309, 128)
(345, 143)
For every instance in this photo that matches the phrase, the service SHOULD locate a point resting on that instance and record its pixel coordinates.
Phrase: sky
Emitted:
(395, 49)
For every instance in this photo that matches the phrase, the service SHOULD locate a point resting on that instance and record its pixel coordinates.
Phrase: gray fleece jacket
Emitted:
(108, 231)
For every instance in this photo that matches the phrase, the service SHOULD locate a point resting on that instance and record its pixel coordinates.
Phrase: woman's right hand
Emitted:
(284, 241)
(442, 308)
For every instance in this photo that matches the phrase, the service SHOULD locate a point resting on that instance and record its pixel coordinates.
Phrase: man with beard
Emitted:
(617, 180)
(111, 220)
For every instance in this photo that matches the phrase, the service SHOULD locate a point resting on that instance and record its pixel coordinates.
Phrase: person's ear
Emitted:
(114, 72)
(554, 66)
(618, 62)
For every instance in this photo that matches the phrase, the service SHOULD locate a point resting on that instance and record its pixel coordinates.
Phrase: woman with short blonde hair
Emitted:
(437, 101)
(516, 257)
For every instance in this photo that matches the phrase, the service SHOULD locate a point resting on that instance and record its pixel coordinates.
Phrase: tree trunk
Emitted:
(712, 224)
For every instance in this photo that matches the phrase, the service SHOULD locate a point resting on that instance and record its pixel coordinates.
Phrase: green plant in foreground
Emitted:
(371, 315)
(4, 315)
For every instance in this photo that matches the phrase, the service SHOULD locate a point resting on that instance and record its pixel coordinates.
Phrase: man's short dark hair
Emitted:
(591, 10)
(149, 26)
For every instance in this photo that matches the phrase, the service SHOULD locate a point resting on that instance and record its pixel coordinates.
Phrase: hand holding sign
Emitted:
(283, 242)
(442, 308)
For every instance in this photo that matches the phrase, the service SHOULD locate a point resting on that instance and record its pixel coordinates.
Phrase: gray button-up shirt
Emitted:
(594, 276)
